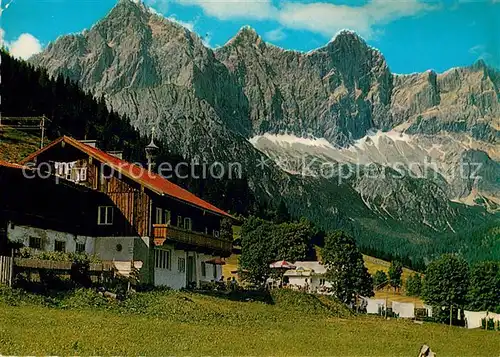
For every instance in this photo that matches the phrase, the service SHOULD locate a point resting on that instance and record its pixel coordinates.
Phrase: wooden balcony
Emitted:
(165, 232)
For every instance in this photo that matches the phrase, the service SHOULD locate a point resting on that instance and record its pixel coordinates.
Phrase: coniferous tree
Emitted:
(380, 278)
(413, 285)
(395, 273)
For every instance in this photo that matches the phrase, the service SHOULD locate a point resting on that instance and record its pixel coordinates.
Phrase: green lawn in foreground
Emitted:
(192, 324)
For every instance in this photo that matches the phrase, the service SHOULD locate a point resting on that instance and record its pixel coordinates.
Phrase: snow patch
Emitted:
(288, 139)
(373, 138)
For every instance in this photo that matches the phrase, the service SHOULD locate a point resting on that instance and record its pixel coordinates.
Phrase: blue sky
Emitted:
(414, 35)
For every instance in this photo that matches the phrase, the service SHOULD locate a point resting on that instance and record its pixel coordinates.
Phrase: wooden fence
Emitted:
(10, 266)
(6, 270)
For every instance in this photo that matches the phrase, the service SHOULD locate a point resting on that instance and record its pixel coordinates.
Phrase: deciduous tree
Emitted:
(263, 242)
(446, 282)
(346, 270)
(484, 287)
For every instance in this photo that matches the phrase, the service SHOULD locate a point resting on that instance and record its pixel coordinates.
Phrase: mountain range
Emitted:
(408, 163)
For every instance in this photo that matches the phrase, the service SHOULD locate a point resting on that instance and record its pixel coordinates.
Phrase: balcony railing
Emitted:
(165, 232)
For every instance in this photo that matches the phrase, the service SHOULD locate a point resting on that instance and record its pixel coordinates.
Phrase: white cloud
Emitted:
(477, 49)
(320, 17)
(235, 9)
(328, 19)
(4, 7)
(489, 55)
(275, 35)
(2, 36)
(160, 6)
(24, 47)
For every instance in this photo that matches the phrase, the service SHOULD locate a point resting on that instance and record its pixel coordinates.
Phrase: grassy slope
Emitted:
(15, 145)
(374, 264)
(191, 324)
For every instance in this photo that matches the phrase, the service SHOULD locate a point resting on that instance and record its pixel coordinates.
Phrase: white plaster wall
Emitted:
(209, 276)
(171, 277)
(313, 282)
(22, 234)
(106, 248)
(297, 280)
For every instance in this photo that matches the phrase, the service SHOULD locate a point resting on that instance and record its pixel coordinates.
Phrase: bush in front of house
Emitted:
(85, 298)
(29, 253)
(49, 279)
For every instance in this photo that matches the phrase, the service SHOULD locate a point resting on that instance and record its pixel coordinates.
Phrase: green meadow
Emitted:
(182, 323)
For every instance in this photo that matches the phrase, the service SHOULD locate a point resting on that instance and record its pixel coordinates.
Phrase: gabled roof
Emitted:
(11, 165)
(150, 180)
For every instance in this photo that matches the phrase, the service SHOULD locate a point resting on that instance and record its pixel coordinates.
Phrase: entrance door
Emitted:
(191, 271)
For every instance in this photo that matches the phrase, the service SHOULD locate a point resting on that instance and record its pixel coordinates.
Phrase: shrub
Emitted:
(490, 324)
(85, 298)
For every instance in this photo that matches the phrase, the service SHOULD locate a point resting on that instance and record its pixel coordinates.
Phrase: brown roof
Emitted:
(151, 180)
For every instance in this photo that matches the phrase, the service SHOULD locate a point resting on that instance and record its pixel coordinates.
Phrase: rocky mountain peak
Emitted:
(347, 36)
(128, 10)
(245, 36)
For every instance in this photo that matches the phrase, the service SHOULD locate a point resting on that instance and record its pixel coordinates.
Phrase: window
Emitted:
(215, 272)
(105, 216)
(188, 224)
(162, 259)
(35, 243)
(159, 215)
(60, 246)
(80, 247)
(216, 234)
(83, 174)
(179, 221)
(167, 216)
(203, 269)
(181, 265)
(80, 174)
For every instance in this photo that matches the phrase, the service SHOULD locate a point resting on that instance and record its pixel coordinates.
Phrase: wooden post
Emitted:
(11, 270)
(386, 305)
(42, 124)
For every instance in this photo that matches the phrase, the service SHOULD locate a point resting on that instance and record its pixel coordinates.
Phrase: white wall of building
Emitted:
(22, 234)
(177, 279)
(115, 248)
(172, 277)
(212, 272)
(313, 282)
(123, 249)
